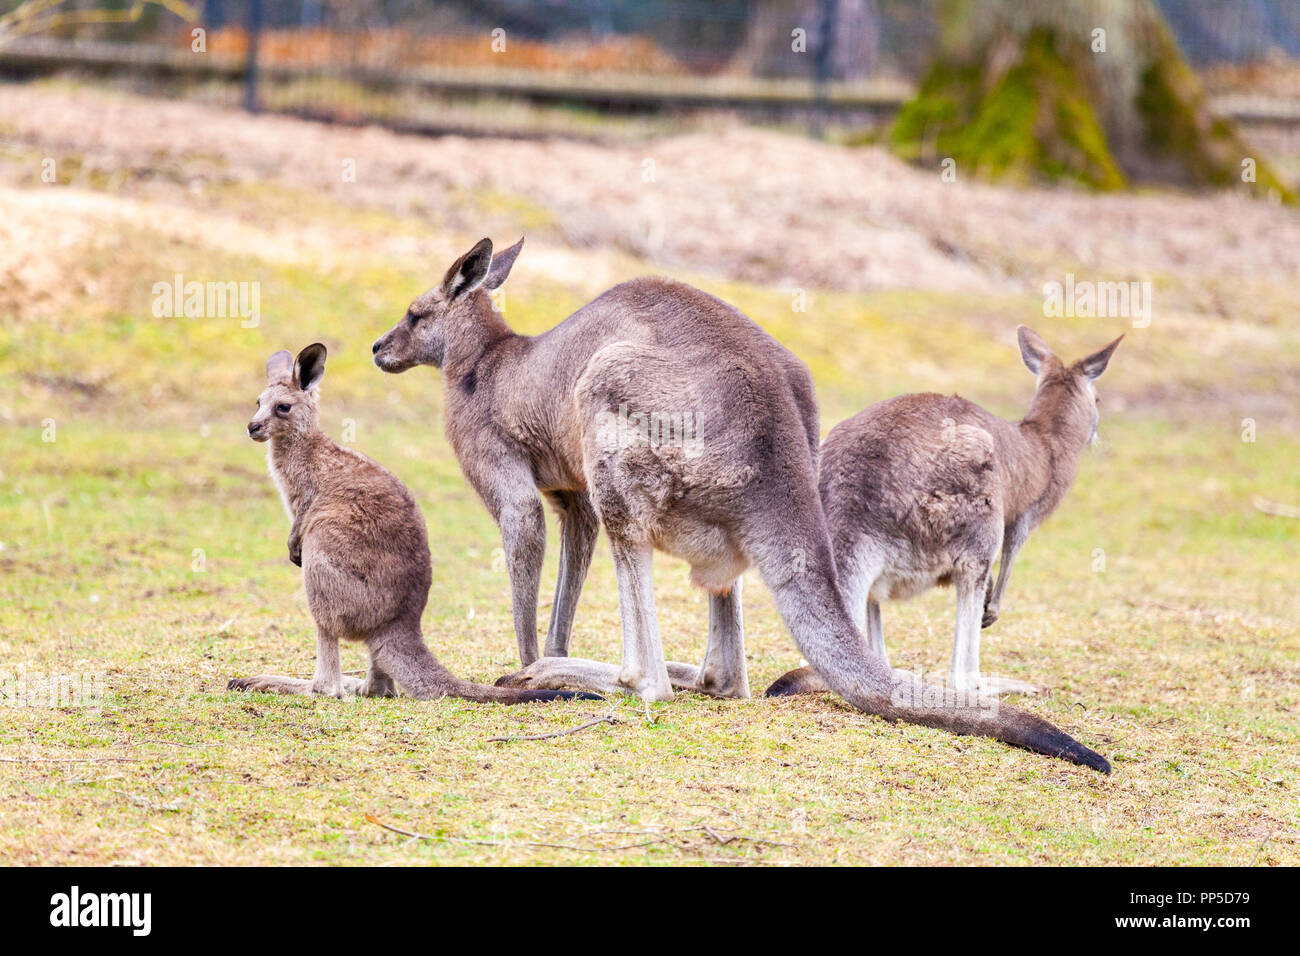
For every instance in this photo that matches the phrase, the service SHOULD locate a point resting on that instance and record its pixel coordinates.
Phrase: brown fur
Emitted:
(360, 540)
(534, 414)
(926, 489)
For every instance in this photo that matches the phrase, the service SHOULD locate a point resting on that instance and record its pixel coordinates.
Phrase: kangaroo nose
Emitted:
(374, 349)
(254, 427)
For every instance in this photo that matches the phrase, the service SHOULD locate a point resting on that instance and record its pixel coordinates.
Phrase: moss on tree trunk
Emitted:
(1032, 121)
(1030, 90)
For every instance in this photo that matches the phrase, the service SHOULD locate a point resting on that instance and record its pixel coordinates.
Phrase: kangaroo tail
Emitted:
(407, 659)
(814, 612)
(801, 680)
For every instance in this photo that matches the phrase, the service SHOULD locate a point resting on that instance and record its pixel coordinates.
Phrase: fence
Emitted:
(475, 64)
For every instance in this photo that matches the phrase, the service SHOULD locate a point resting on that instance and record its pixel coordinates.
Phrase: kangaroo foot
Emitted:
(275, 684)
(377, 687)
(715, 683)
(270, 684)
(578, 674)
(802, 680)
(554, 673)
(646, 686)
(339, 687)
(683, 676)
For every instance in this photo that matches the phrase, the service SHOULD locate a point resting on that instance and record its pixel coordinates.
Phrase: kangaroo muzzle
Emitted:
(390, 354)
(379, 350)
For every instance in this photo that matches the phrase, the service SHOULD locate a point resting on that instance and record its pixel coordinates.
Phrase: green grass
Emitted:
(1178, 660)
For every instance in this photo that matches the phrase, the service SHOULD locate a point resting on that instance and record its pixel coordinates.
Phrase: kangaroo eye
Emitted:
(283, 409)
(413, 318)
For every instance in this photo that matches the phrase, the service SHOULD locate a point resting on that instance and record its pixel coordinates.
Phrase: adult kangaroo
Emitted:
(359, 538)
(688, 429)
(926, 489)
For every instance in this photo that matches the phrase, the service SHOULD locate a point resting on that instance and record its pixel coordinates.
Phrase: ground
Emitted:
(141, 538)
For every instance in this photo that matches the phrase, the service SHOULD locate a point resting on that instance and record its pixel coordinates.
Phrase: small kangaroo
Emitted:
(926, 489)
(359, 538)
(672, 419)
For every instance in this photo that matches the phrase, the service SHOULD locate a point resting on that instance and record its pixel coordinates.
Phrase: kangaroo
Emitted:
(359, 538)
(926, 489)
(579, 413)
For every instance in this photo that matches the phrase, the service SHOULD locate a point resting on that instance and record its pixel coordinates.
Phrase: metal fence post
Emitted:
(250, 70)
(822, 65)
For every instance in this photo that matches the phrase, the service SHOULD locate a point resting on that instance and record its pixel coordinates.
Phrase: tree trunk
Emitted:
(1090, 91)
(853, 39)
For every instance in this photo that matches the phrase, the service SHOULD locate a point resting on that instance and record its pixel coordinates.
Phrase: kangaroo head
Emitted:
(1064, 391)
(288, 404)
(453, 317)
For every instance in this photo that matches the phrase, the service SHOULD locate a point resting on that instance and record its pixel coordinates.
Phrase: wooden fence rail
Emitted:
(878, 100)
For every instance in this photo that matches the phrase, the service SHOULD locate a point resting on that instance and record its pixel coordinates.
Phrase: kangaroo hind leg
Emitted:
(578, 529)
(596, 676)
(643, 671)
(328, 681)
(377, 683)
(279, 684)
(723, 672)
(965, 675)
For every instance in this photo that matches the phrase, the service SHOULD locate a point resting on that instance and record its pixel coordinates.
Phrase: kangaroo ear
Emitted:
(279, 366)
(501, 264)
(468, 272)
(1032, 348)
(309, 368)
(1096, 363)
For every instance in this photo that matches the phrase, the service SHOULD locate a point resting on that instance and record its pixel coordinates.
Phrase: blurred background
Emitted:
(887, 186)
(603, 67)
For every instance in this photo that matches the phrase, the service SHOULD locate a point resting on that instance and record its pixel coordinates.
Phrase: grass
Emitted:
(146, 543)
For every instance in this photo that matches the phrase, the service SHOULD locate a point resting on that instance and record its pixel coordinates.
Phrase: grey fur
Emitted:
(544, 413)
(928, 489)
(579, 527)
(360, 539)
